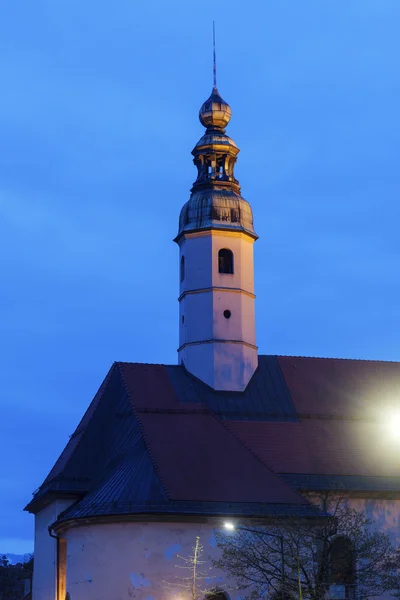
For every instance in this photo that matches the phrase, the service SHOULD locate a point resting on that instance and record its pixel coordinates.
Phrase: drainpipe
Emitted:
(57, 559)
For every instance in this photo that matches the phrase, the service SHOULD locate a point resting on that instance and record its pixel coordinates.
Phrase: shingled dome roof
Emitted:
(216, 208)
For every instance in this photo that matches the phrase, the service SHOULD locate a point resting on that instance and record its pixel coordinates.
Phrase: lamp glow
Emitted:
(229, 525)
(394, 424)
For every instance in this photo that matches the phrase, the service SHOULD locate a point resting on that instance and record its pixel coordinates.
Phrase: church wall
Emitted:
(197, 252)
(141, 560)
(204, 319)
(234, 366)
(136, 560)
(45, 565)
(198, 312)
(201, 260)
(241, 325)
(222, 366)
(384, 513)
(242, 247)
(199, 360)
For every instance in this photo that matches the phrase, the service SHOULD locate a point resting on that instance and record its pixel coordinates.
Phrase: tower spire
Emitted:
(214, 59)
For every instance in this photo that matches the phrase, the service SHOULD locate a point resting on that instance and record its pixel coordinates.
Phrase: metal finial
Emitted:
(214, 58)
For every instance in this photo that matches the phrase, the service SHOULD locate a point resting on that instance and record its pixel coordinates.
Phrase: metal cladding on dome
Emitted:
(216, 209)
(216, 138)
(215, 113)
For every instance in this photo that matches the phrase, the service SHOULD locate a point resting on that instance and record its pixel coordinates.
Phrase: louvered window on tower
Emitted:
(225, 261)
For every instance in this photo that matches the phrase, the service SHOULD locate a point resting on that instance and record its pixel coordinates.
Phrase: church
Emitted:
(168, 453)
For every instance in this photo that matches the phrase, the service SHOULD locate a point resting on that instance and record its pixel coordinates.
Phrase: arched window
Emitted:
(225, 261)
(182, 268)
(342, 568)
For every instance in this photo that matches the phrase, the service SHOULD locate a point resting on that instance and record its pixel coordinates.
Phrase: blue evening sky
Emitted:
(98, 115)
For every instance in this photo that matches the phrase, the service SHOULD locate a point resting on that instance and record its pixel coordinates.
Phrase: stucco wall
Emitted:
(140, 560)
(135, 560)
(384, 513)
(204, 296)
(45, 576)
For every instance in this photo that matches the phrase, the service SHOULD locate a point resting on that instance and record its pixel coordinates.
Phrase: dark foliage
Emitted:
(13, 577)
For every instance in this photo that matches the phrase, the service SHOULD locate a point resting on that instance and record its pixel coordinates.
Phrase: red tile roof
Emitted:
(310, 420)
(361, 389)
(324, 447)
(196, 457)
(200, 460)
(344, 409)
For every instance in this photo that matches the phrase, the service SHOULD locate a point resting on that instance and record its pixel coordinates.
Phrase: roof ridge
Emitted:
(143, 433)
(129, 362)
(294, 356)
(339, 358)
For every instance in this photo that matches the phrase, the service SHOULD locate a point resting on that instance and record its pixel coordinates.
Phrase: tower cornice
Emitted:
(216, 230)
(217, 289)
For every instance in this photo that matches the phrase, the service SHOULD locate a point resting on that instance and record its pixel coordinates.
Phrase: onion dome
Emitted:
(215, 113)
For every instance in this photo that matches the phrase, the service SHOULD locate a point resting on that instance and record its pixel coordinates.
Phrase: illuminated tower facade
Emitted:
(217, 339)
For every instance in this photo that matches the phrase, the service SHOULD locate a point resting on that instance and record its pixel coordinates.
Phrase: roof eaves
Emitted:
(347, 483)
(183, 509)
(338, 358)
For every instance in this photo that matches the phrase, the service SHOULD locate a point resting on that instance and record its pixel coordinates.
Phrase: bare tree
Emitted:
(342, 556)
(195, 574)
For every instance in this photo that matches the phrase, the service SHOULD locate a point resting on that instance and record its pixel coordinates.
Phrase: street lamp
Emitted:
(230, 526)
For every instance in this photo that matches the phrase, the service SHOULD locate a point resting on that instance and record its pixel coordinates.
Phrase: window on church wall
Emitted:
(182, 274)
(225, 261)
(342, 569)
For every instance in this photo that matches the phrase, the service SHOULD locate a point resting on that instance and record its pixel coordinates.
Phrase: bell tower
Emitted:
(217, 341)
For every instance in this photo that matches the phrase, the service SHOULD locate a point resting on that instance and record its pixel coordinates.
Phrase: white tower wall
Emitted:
(45, 568)
(220, 351)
